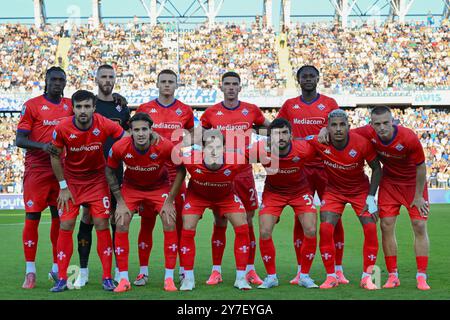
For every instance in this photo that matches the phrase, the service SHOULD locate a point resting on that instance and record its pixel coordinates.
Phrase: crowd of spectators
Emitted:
(25, 54)
(392, 56)
(13, 160)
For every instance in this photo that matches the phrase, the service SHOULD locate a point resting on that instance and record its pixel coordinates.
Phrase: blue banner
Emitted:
(11, 202)
(188, 96)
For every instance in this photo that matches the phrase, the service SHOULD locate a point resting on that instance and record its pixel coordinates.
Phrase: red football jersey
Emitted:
(237, 120)
(400, 156)
(208, 183)
(308, 118)
(143, 169)
(84, 159)
(284, 174)
(39, 118)
(345, 168)
(167, 119)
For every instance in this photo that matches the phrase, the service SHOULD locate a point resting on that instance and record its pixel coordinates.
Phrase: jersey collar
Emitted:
(311, 102)
(237, 107)
(164, 106)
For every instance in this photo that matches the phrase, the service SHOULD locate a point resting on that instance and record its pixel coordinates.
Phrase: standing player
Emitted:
(83, 136)
(170, 116)
(113, 107)
(347, 183)
(235, 119)
(403, 184)
(285, 185)
(307, 114)
(146, 181)
(39, 117)
(211, 186)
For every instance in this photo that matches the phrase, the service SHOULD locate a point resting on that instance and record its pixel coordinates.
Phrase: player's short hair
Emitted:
(141, 116)
(338, 113)
(231, 74)
(379, 110)
(299, 71)
(47, 74)
(210, 135)
(167, 71)
(105, 66)
(279, 123)
(82, 95)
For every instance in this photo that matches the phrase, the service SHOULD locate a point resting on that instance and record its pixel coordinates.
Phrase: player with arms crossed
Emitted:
(114, 107)
(145, 155)
(83, 181)
(403, 184)
(347, 183)
(39, 117)
(307, 114)
(286, 184)
(170, 116)
(235, 119)
(211, 186)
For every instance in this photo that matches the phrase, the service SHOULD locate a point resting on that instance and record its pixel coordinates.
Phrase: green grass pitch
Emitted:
(13, 267)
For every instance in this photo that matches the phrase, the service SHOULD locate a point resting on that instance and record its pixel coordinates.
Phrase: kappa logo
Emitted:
(30, 203)
(296, 159)
(321, 107)
(179, 112)
(227, 172)
(352, 153)
(296, 107)
(96, 132)
(399, 147)
(73, 136)
(219, 113)
(44, 107)
(198, 171)
(153, 110)
(327, 151)
(374, 140)
(245, 112)
(129, 156)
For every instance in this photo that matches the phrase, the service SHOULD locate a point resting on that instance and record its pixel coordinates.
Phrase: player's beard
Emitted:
(106, 92)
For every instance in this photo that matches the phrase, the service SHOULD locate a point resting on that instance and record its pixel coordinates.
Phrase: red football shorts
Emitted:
(40, 190)
(195, 204)
(95, 196)
(274, 203)
(335, 202)
(137, 198)
(317, 179)
(392, 196)
(244, 187)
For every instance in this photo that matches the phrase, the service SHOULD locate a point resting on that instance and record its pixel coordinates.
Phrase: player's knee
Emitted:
(310, 231)
(68, 225)
(387, 225)
(122, 228)
(265, 232)
(101, 224)
(420, 227)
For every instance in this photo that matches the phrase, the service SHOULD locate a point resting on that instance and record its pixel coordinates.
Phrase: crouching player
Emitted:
(146, 182)
(285, 184)
(211, 186)
(344, 162)
(83, 181)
